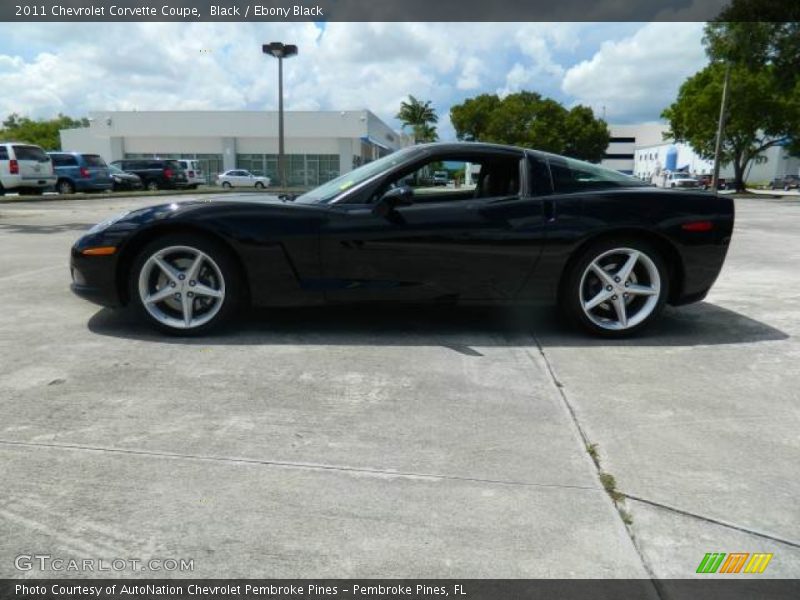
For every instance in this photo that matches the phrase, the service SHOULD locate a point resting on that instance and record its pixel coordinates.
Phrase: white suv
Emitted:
(194, 172)
(25, 168)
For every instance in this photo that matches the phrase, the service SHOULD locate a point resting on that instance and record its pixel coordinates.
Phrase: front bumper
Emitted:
(93, 278)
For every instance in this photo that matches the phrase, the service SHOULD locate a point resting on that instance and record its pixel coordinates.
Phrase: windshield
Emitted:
(328, 191)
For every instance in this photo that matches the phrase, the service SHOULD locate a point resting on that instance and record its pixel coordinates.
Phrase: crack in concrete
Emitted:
(686, 513)
(586, 445)
(296, 465)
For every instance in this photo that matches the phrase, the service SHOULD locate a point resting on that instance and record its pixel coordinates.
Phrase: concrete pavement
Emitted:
(397, 443)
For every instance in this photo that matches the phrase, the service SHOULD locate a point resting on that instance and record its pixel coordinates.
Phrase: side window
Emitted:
(539, 175)
(571, 175)
(3, 153)
(456, 178)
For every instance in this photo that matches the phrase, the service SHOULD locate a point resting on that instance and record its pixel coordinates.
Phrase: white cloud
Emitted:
(75, 68)
(636, 77)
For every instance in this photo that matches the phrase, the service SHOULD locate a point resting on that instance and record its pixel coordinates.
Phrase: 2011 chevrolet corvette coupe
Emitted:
(510, 226)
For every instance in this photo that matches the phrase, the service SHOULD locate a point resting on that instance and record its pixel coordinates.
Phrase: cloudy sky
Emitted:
(627, 71)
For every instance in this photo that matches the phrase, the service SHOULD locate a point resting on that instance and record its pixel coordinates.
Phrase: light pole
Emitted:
(280, 51)
(723, 109)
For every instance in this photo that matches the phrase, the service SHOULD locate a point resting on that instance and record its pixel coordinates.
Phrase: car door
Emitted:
(239, 178)
(481, 246)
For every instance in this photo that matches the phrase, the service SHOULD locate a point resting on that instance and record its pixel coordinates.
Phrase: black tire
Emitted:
(65, 187)
(577, 284)
(259, 185)
(152, 186)
(232, 283)
(227, 185)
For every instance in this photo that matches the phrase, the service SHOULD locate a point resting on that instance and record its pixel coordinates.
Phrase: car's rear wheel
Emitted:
(616, 287)
(64, 186)
(152, 186)
(185, 284)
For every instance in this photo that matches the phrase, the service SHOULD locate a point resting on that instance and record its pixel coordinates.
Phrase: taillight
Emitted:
(85, 173)
(698, 226)
(13, 166)
(168, 173)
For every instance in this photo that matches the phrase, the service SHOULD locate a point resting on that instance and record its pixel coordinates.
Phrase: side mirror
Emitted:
(395, 197)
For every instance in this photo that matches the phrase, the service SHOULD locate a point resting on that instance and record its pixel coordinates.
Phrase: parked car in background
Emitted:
(705, 182)
(79, 172)
(156, 174)
(194, 172)
(124, 181)
(25, 169)
(680, 180)
(441, 178)
(789, 182)
(241, 178)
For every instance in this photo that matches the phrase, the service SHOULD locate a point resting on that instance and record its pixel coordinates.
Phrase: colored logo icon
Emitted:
(736, 562)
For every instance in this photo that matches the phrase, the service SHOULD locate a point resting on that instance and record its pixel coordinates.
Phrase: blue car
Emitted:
(79, 172)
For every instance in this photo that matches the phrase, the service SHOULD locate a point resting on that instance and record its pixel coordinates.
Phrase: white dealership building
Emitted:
(320, 145)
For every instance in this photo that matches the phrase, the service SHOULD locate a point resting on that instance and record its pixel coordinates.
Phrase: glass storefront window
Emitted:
(302, 170)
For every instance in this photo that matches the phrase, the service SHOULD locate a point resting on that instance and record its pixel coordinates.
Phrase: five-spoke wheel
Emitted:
(616, 287)
(184, 284)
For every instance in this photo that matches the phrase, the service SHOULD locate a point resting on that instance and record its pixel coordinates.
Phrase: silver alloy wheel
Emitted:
(620, 289)
(181, 287)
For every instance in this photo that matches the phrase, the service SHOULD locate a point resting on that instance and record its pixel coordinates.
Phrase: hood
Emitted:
(209, 206)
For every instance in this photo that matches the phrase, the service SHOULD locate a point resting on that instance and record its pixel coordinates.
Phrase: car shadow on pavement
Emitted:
(461, 329)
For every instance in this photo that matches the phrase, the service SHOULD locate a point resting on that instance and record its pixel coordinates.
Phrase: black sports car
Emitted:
(515, 226)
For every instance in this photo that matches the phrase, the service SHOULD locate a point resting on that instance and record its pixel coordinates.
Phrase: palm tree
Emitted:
(420, 116)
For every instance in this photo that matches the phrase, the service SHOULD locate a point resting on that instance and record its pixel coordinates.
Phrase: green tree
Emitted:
(757, 33)
(471, 118)
(420, 117)
(760, 115)
(42, 132)
(527, 119)
(760, 43)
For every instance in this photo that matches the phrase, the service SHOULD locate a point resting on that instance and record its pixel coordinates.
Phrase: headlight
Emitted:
(108, 222)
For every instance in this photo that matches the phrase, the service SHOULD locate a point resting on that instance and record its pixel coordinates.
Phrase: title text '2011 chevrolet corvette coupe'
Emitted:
(510, 226)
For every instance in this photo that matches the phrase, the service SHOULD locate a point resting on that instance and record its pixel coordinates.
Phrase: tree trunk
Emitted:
(738, 175)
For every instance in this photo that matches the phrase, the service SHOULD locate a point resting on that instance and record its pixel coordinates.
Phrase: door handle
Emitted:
(549, 209)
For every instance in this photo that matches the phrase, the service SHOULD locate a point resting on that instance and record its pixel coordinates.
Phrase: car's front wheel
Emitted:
(259, 185)
(616, 287)
(185, 284)
(226, 185)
